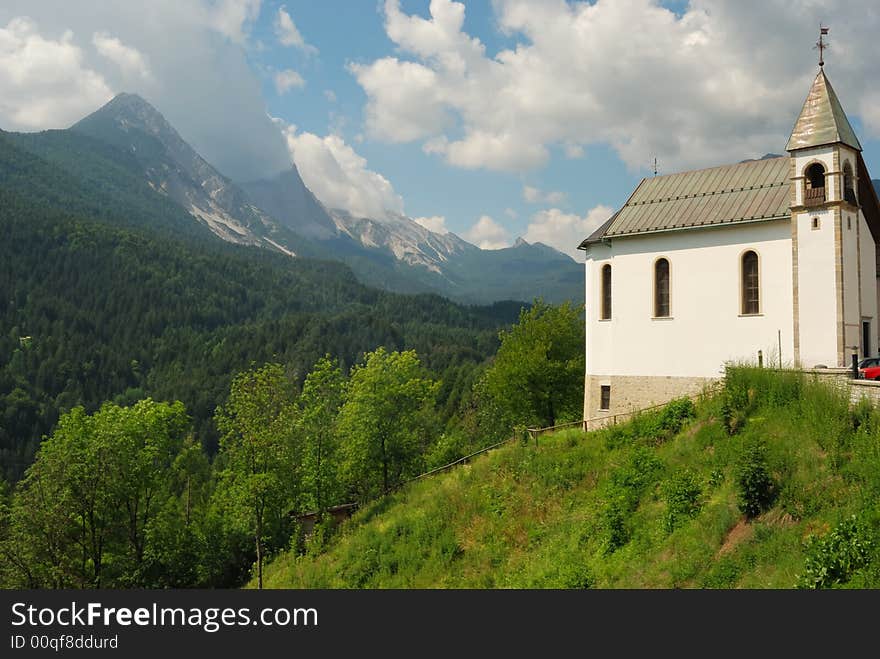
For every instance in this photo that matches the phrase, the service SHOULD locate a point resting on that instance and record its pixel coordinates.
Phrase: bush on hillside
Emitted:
(836, 556)
(676, 414)
(655, 426)
(682, 494)
(625, 488)
(756, 487)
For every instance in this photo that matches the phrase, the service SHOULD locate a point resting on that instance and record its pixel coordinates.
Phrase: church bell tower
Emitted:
(831, 320)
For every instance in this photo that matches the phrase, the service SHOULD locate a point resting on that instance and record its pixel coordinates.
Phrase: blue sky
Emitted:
(344, 32)
(492, 119)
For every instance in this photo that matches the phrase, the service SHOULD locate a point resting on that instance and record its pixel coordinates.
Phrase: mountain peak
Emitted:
(127, 97)
(126, 111)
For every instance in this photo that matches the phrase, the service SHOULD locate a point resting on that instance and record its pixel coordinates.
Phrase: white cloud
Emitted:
(130, 60)
(436, 223)
(44, 82)
(233, 18)
(536, 196)
(404, 100)
(287, 80)
(565, 231)
(330, 95)
(486, 233)
(716, 83)
(288, 34)
(338, 176)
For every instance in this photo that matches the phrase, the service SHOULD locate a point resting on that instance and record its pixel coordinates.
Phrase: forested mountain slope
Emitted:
(91, 311)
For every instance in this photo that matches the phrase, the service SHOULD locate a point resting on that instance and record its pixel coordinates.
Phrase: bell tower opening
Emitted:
(814, 182)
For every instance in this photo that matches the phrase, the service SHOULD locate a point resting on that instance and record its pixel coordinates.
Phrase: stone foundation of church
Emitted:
(635, 392)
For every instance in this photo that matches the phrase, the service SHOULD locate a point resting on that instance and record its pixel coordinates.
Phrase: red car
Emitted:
(869, 369)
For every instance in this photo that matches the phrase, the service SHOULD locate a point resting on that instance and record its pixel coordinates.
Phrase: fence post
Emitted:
(855, 366)
(760, 359)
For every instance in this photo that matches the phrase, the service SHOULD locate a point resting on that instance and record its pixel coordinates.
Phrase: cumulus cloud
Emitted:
(537, 196)
(486, 233)
(404, 101)
(288, 79)
(233, 18)
(53, 72)
(565, 231)
(435, 223)
(338, 176)
(717, 82)
(128, 59)
(288, 34)
(44, 82)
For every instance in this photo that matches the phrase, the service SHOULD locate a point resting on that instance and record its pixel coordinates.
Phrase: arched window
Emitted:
(606, 292)
(849, 189)
(661, 288)
(814, 185)
(751, 289)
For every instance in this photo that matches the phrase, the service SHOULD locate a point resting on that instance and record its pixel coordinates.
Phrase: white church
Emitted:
(706, 267)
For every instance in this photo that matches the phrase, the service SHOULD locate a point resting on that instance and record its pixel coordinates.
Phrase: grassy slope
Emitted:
(521, 517)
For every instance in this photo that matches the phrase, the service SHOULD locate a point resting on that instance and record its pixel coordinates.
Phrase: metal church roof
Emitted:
(748, 191)
(822, 119)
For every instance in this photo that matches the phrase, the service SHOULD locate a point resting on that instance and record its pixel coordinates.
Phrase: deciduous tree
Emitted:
(259, 477)
(537, 375)
(385, 422)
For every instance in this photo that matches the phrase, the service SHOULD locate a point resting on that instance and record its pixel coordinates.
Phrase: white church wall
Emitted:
(706, 327)
(868, 265)
(817, 289)
(852, 311)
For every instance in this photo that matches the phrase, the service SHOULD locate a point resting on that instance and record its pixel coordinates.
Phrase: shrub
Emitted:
(682, 494)
(626, 485)
(613, 520)
(833, 558)
(642, 469)
(676, 414)
(756, 486)
(731, 418)
(576, 577)
(657, 425)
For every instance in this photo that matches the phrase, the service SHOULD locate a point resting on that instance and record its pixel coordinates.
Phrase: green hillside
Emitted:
(655, 503)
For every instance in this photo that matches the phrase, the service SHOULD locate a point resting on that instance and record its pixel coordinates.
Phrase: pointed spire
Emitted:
(822, 119)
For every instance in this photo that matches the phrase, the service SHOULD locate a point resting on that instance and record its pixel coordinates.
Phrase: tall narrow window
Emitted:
(849, 190)
(751, 302)
(606, 292)
(661, 288)
(814, 185)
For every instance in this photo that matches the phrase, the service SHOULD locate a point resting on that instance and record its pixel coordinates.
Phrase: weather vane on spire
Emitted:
(821, 45)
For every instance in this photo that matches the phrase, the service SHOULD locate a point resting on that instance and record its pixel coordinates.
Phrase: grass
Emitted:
(654, 503)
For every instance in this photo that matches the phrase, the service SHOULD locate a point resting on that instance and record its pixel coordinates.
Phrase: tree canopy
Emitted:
(537, 375)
